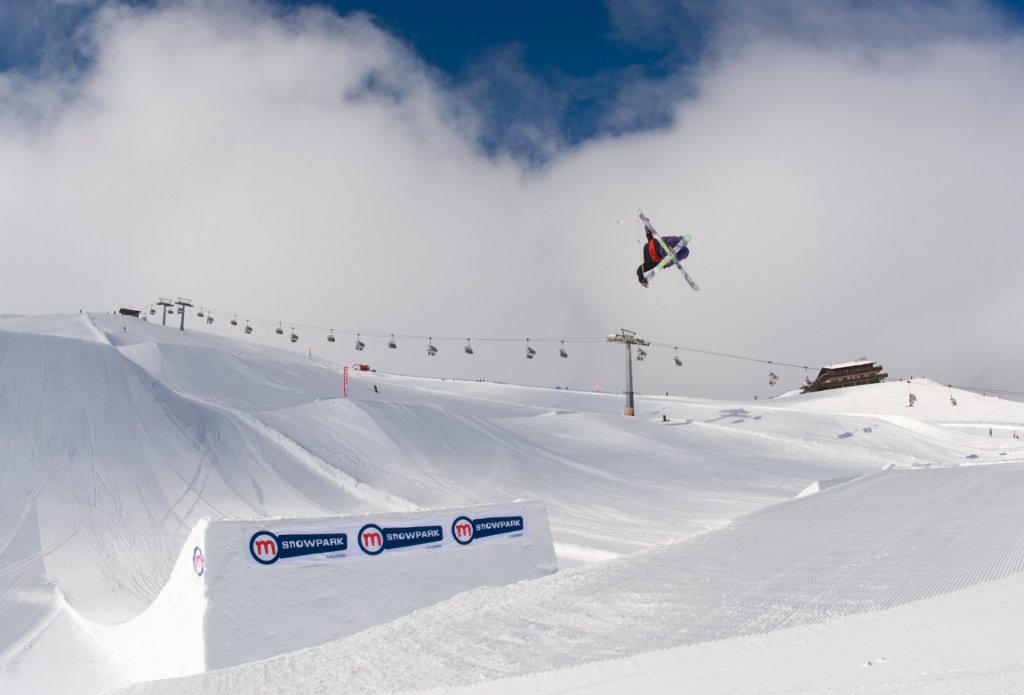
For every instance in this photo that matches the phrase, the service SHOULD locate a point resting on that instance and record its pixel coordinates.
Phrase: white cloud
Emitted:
(309, 169)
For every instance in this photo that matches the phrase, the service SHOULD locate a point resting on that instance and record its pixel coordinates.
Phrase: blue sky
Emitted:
(849, 171)
(570, 59)
(561, 66)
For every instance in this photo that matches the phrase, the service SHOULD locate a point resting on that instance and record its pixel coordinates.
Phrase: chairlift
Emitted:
(234, 321)
(330, 336)
(200, 314)
(209, 318)
(431, 350)
(248, 328)
(678, 362)
(152, 311)
(391, 343)
(359, 343)
(294, 338)
(773, 378)
(561, 350)
(469, 348)
(279, 330)
(641, 354)
(530, 352)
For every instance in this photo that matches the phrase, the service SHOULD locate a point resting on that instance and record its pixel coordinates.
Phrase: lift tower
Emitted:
(630, 339)
(165, 303)
(182, 303)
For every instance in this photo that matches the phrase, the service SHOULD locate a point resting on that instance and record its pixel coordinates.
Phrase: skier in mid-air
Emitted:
(654, 253)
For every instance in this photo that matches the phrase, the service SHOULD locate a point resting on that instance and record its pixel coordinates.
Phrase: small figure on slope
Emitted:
(654, 253)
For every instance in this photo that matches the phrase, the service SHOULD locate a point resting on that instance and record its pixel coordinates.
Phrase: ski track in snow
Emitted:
(380, 500)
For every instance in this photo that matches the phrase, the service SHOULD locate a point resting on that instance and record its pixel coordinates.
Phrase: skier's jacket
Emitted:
(656, 253)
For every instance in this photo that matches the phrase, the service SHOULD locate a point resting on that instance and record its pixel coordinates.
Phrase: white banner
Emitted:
(317, 543)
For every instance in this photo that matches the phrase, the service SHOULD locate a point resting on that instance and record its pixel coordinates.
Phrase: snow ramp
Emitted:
(243, 590)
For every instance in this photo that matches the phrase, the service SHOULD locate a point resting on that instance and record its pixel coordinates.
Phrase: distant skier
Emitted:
(653, 254)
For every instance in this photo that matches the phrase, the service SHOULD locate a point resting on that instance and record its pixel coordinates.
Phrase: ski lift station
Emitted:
(837, 376)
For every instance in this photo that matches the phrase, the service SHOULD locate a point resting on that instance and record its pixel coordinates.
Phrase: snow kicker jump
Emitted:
(243, 590)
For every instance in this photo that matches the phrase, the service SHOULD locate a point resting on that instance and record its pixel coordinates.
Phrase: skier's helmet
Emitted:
(684, 252)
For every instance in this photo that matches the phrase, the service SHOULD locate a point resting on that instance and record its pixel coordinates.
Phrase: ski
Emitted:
(689, 279)
(670, 255)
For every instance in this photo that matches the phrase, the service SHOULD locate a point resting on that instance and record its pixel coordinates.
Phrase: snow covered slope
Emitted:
(899, 536)
(117, 437)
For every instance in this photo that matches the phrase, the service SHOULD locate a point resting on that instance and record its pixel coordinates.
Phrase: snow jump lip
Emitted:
(243, 590)
(821, 485)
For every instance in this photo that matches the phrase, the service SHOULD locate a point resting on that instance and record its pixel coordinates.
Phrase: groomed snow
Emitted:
(688, 553)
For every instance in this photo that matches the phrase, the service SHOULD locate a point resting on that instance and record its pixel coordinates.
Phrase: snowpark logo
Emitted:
(466, 530)
(267, 548)
(374, 539)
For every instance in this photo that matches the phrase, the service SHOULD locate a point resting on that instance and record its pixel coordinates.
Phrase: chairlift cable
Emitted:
(392, 339)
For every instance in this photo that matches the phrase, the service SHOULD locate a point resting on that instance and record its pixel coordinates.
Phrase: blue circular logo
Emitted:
(462, 530)
(198, 561)
(371, 539)
(264, 548)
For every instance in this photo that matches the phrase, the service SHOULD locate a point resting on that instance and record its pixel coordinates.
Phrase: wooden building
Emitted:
(850, 374)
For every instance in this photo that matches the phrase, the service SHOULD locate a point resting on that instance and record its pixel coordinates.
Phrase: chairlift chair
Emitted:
(234, 321)
(469, 348)
(641, 354)
(294, 338)
(200, 314)
(678, 362)
(152, 311)
(431, 350)
(530, 352)
(209, 318)
(248, 328)
(279, 330)
(359, 343)
(561, 350)
(773, 378)
(330, 336)
(391, 343)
